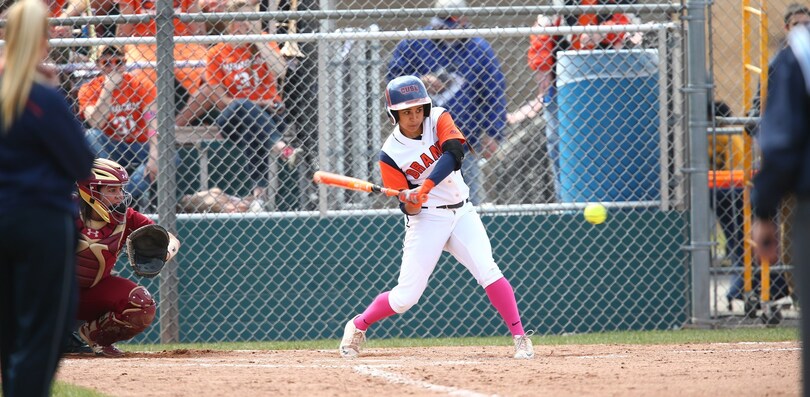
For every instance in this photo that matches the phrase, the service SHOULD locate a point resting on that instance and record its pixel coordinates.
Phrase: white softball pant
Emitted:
(459, 232)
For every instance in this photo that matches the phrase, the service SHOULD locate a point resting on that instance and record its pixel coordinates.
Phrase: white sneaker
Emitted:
(523, 347)
(352, 341)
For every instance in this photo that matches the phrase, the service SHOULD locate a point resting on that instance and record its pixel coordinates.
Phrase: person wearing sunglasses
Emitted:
(120, 110)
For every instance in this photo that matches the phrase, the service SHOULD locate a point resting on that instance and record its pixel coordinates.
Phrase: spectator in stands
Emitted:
(240, 82)
(795, 14)
(542, 56)
(121, 110)
(187, 77)
(464, 75)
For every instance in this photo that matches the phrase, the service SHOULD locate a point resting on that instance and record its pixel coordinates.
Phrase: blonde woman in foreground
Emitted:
(42, 154)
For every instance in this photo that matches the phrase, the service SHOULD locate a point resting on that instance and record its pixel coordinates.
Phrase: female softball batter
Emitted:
(422, 159)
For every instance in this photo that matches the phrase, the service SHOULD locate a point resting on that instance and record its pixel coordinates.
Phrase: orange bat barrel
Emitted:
(347, 182)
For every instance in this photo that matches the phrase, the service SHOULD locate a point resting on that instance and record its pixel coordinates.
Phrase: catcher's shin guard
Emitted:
(112, 327)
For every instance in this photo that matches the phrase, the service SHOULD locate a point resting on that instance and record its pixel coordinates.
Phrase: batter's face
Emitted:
(410, 121)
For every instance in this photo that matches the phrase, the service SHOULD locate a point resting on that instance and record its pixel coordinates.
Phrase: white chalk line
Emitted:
(780, 349)
(604, 356)
(259, 363)
(374, 368)
(687, 351)
(395, 378)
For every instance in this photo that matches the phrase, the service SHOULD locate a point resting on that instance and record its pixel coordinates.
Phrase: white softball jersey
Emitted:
(415, 159)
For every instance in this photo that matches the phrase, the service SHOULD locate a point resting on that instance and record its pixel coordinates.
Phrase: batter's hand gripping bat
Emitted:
(347, 182)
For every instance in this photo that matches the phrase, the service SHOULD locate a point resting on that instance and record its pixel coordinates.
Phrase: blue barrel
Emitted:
(609, 125)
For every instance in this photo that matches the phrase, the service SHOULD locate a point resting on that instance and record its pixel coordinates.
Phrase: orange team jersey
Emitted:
(242, 74)
(405, 162)
(130, 101)
(149, 7)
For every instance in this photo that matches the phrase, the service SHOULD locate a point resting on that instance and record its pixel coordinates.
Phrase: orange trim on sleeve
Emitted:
(393, 178)
(446, 129)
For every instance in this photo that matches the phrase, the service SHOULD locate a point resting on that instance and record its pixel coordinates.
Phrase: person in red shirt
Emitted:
(113, 308)
(121, 110)
(240, 82)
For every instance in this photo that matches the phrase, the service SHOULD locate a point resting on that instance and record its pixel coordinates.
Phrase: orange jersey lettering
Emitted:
(244, 75)
(130, 102)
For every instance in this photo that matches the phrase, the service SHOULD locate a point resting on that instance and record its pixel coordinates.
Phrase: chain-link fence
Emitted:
(744, 37)
(563, 103)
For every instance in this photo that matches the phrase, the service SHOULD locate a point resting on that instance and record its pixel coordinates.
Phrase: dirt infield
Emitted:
(719, 369)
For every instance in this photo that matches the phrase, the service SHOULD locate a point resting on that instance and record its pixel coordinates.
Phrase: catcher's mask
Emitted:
(404, 92)
(106, 173)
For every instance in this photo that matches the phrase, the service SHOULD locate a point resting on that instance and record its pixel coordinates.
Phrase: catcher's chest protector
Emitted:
(97, 252)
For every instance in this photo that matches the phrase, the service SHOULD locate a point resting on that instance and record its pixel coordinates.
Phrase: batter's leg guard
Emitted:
(111, 327)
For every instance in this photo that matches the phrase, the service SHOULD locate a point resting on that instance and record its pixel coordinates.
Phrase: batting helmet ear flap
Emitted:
(393, 115)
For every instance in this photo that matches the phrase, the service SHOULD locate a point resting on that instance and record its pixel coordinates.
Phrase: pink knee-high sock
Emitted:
(376, 311)
(502, 296)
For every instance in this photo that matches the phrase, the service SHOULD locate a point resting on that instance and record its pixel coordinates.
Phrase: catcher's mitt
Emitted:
(146, 248)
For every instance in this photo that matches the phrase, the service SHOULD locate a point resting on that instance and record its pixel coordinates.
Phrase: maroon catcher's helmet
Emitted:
(106, 173)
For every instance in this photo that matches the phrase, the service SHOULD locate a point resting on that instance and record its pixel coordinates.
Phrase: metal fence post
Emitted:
(697, 92)
(167, 182)
(323, 99)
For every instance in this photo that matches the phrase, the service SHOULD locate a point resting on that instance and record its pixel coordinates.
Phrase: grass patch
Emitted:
(62, 389)
(624, 337)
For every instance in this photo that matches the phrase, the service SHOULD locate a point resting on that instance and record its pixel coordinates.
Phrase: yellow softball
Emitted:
(595, 213)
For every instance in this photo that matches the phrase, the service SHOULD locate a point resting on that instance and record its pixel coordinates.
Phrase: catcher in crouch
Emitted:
(115, 308)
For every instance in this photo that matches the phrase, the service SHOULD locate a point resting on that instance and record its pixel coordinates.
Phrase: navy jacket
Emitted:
(785, 136)
(475, 93)
(43, 155)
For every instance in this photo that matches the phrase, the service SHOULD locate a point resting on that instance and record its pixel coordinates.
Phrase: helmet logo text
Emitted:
(409, 88)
